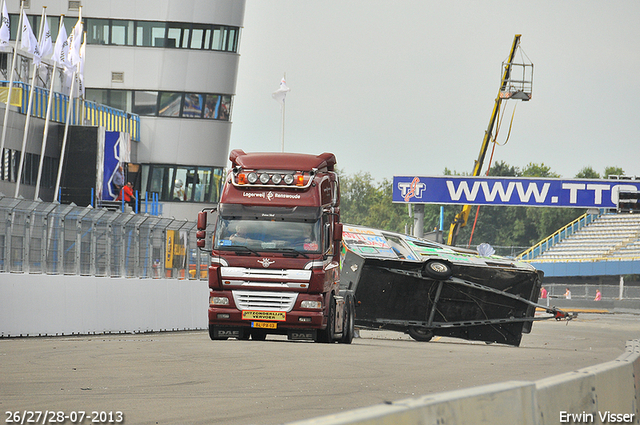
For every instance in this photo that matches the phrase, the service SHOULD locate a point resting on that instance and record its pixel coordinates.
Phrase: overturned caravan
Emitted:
(426, 289)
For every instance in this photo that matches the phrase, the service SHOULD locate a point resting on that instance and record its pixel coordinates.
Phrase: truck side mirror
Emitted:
(337, 232)
(201, 225)
(202, 220)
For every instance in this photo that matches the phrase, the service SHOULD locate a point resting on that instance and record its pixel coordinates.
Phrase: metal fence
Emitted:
(588, 291)
(52, 238)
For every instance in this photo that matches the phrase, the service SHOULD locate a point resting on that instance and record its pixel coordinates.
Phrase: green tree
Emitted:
(587, 173)
(613, 171)
(538, 170)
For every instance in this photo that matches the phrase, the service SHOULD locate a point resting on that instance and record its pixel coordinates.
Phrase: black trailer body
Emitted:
(425, 289)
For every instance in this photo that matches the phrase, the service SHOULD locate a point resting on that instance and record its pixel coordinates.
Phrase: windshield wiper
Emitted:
(293, 252)
(239, 249)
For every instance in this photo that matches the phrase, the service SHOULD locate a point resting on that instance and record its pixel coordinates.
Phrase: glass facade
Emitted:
(182, 183)
(120, 32)
(11, 162)
(165, 104)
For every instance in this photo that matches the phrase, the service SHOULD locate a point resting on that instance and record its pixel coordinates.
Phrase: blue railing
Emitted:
(84, 112)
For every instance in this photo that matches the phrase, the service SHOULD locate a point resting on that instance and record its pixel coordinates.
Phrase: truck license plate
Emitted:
(276, 316)
(264, 325)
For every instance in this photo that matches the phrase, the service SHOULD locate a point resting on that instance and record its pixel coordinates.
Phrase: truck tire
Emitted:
(420, 334)
(348, 327)
(438, 270)
(328, 335)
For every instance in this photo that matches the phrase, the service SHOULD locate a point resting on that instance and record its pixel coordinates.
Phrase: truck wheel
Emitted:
(212, 333)
(420, 334)
(328, 335)
(438, 270)
(349, 321)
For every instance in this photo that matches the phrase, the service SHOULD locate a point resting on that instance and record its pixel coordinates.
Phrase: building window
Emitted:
(193, 104)
(170, 104)
(200, 37)
(120, 32)
(97, 31)
(144, 102)
(183, 183)
(150, 34)
(165, 104)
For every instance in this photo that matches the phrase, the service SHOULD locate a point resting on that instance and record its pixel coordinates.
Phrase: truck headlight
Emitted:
(288, 178)
(310, 304)
(219, 300)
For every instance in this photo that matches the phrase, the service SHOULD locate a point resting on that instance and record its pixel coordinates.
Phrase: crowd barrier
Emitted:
(50, 305)
(601, 394)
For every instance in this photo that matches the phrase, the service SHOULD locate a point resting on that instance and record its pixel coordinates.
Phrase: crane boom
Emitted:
(461, 218)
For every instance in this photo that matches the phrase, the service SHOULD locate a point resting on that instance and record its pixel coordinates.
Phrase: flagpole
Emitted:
(69, 108)
(66, 132)
(28, 118)
(282, 131)
(13, 70)
(284, 78)
(47, 119)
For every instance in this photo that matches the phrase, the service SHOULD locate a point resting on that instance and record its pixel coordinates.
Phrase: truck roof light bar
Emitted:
(275, 179)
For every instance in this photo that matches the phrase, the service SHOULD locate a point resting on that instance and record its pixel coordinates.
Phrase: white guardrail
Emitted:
(601, 394)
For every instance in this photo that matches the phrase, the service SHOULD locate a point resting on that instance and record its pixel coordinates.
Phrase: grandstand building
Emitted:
(172, 64)
(597, 251)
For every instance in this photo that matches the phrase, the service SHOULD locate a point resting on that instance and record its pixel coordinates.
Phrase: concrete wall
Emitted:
(66, 305)
(612, 387)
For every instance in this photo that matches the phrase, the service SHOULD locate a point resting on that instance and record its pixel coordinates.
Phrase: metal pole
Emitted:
(419, 220)
(47, 120)
(70, 106)
(25, 136)
(66, 133)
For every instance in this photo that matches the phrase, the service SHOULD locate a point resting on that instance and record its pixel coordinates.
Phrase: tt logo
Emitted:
(413, 189)
(266, 262)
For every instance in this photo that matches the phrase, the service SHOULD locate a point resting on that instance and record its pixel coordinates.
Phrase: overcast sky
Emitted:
(406, 87)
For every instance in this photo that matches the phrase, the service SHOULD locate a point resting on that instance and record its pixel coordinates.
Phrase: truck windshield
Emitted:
(265, 235)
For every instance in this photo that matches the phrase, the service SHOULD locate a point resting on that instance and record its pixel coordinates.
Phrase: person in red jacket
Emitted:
(127, 193)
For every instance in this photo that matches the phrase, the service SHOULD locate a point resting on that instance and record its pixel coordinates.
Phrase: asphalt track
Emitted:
(184, 378)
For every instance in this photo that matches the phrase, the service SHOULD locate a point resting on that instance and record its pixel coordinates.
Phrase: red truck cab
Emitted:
(275, 259)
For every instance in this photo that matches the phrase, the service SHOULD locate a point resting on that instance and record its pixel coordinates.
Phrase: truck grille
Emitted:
(270, 301)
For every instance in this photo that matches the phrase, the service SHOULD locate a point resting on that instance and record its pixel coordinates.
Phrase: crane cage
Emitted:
(52, 238)
(518, 82)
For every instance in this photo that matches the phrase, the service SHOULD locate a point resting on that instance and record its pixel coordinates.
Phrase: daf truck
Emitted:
(275, 253)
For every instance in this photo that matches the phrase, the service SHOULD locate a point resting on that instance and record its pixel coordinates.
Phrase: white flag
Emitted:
(45, 40)
(29, 42)
(5, 28)
(83, 48)
(75, 42)
(281, 93)
(61, 49)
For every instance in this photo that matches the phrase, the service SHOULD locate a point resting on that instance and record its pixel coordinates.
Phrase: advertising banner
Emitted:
(511, 191)
(117, 151)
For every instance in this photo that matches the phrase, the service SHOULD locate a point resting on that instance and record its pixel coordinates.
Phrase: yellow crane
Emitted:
(510, 88)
